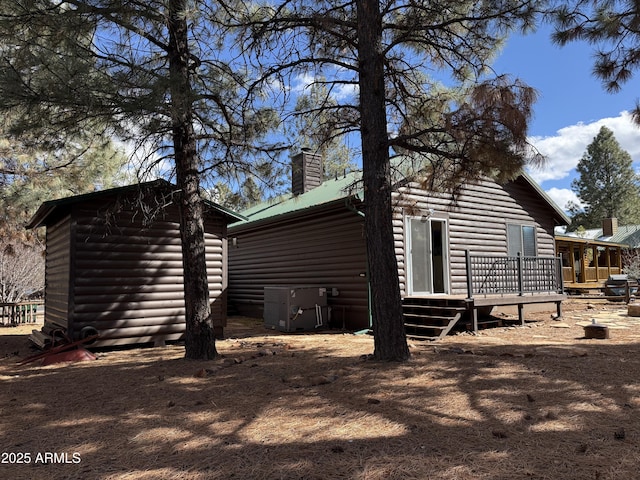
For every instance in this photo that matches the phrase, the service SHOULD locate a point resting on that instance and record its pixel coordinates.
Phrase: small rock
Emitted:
(322, 380)
(619, 434)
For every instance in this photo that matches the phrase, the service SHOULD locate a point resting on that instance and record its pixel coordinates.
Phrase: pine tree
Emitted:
(157, 73)
(612, 27)
(607, 184)
(388, 52)
(318, 129)
(29, 176)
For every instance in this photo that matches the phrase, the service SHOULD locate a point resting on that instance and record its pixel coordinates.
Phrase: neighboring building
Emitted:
(114, 265)
(587, 263)
(463, 252)
(590, 257)
(626, 235)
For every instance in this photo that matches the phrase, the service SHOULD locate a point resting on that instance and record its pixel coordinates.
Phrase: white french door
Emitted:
(427, 252)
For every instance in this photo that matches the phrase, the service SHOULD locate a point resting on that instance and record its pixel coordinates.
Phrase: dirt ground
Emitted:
(524, 402)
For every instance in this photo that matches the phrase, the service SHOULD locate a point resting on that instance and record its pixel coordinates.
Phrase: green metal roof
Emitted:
(343, 187)
(589, 241)
(328, 191)
(628, 234)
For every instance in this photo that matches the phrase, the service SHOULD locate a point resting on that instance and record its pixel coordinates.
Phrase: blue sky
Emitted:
(572, 106)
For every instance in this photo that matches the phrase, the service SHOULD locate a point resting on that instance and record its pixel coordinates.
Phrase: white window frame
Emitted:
(513, 250)
(445, 256)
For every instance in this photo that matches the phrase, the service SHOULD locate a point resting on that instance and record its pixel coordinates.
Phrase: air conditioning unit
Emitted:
(295, 308)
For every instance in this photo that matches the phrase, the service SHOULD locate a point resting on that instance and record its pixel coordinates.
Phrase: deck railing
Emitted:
(491, 275)
(21, 312)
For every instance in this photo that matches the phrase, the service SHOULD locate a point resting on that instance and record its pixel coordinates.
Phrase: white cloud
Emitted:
(345, 91)
(562, 196)
(564, 150)
(302, 82)
(339, 91)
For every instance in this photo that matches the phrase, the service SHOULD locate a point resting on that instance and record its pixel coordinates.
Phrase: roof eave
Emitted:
(38, 218)
(49, 207)
(560, 214)
(282, 217)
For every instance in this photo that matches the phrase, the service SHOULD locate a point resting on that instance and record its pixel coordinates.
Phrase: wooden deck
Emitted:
(519, 300)
(492, 280)
(425, 312)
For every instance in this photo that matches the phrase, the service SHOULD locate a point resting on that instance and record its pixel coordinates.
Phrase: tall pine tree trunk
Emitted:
(199, 337)
(386, 304)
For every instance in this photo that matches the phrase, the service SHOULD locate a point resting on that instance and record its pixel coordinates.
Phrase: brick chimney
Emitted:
(306, 173)
(609, 227)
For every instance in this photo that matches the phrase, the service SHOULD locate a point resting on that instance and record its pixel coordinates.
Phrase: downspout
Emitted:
(353, 209)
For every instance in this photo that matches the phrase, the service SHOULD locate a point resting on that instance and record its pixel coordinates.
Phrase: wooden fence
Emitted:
(21, 312)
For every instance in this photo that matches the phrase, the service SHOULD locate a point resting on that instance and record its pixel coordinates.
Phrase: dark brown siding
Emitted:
(477, 222)
(57, 273)
(325, 249)
(217, 255)
(128, 278)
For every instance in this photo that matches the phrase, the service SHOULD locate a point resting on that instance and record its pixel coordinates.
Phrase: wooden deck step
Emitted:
(431, 300)
(431, 319)
(429, 330)
(432, 327)
(428, 306)
(424, 337)
(431, 316)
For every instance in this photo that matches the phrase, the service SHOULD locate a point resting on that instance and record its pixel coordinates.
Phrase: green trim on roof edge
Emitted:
(346, 186)
(328, 191)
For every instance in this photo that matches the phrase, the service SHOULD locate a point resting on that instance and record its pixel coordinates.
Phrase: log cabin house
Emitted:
(114, 265)
(588, 263)
(591, 257)
(493, 245)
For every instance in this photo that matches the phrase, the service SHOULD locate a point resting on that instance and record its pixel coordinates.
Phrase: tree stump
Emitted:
(596, 330)
(633, 310)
